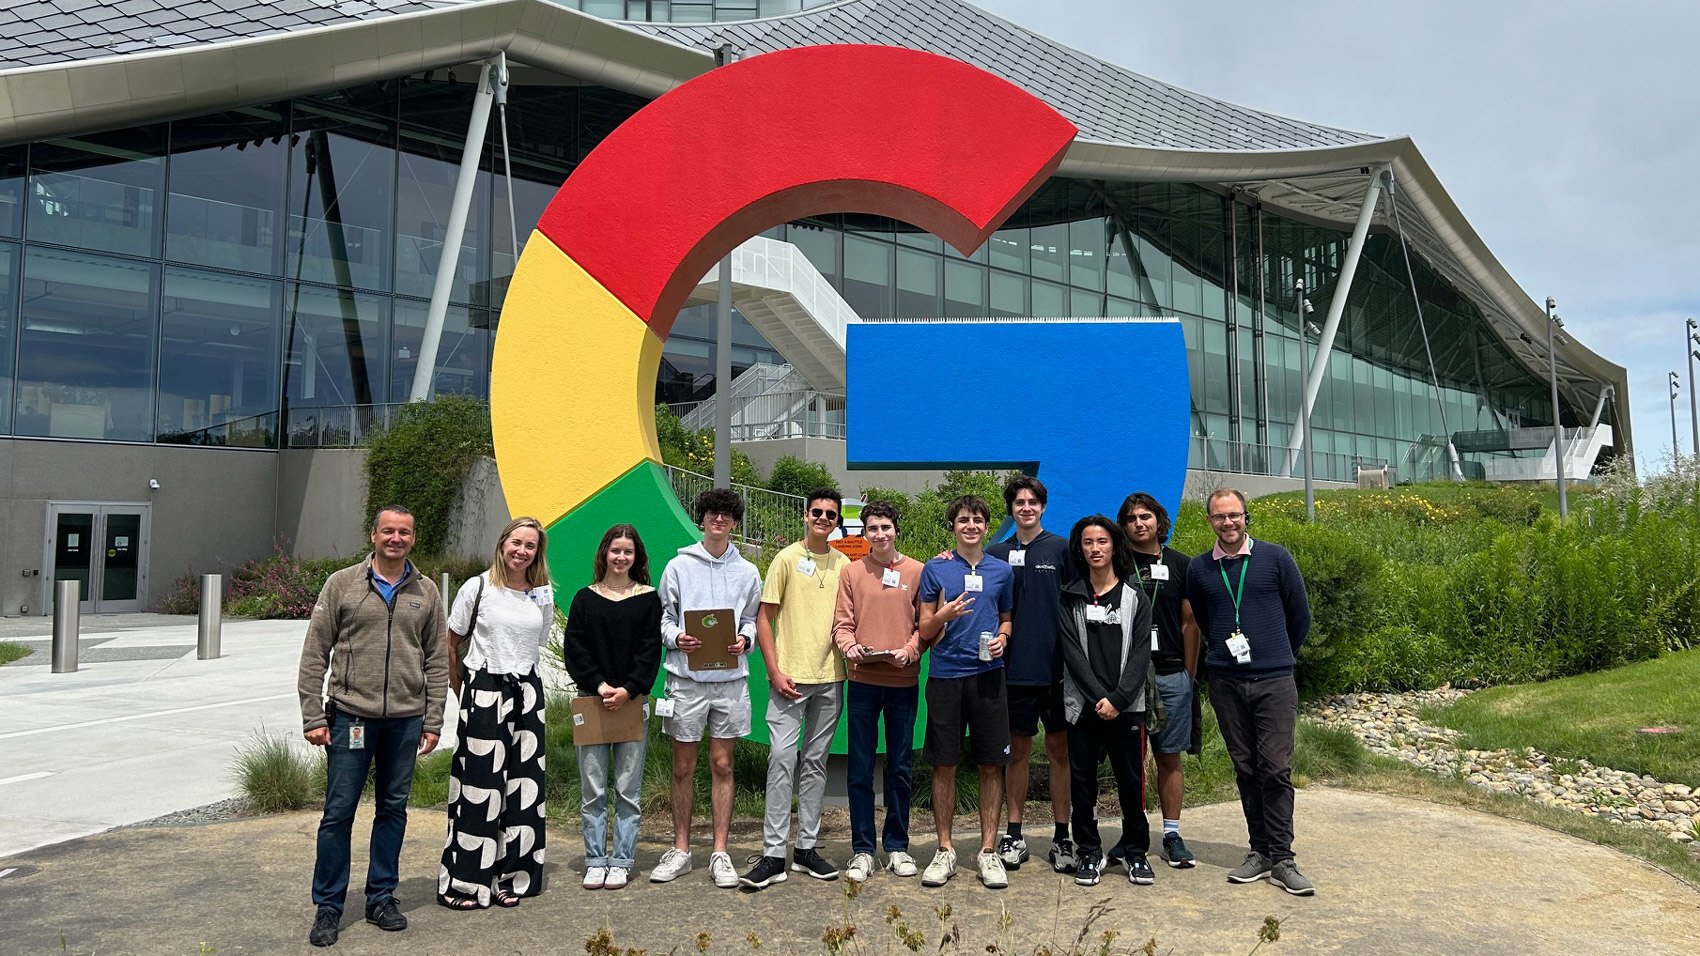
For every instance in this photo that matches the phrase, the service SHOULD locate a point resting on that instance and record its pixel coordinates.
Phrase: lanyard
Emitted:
(1232, 594)
(1156, 585)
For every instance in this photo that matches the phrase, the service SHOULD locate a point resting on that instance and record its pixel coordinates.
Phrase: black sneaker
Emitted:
(1062, 855)
(386, 915)
(1113, 858)
(1139, 870)
(767, 871)
(326, 925)
(1087, 868)
(811, 862)
(1176, 853)
(1012, 851)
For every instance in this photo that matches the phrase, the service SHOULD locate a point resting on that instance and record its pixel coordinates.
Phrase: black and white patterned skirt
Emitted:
(496, 813)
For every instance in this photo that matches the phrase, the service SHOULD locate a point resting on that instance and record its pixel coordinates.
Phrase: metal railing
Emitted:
(336, 426)
(770, 517)
(1251, 458)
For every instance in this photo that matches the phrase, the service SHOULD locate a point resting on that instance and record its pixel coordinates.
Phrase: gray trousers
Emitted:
(810, 720)
(1258, 720)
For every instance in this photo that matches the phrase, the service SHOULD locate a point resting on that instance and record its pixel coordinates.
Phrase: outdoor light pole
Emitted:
(1691, 345)
(723, 349)
(1553, 325)
(1675, 386)
(1305, 308)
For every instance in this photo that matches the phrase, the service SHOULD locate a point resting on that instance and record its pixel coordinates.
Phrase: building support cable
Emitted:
(493, 74)
(1417, 300)
(507, 157)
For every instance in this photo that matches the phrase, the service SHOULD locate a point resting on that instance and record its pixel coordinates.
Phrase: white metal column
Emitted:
(494, 74)
(1336, 309)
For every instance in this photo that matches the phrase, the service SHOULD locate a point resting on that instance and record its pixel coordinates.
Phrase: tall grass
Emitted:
(10, 652)
(274, 775)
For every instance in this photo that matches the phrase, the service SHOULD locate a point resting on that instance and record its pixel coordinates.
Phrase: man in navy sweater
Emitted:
(1253, 614)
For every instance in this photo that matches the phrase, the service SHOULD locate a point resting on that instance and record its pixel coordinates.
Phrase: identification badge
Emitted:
(1154, 640)
(1239, 647)
(664, 707)
(542, 595)
(972, 583)
(1018, 558)
(357, 736)
(1097, 614)
(1159, 572)
(806, 567)
(890, 578)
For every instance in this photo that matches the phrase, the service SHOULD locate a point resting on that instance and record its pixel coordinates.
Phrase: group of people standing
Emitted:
(1101, 637)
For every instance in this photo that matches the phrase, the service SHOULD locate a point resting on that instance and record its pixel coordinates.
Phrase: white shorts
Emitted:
(722, 708)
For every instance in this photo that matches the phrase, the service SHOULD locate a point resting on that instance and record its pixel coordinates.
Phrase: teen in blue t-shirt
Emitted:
(965, 596)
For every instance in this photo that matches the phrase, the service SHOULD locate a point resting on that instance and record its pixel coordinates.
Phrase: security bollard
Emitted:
(67, 621)
(209, 629)
(444, 592)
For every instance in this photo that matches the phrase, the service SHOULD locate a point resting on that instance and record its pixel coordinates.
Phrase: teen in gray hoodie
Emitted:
(709, 575)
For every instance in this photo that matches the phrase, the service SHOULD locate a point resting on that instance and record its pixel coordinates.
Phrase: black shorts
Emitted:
(1029, 704)
(977, 704)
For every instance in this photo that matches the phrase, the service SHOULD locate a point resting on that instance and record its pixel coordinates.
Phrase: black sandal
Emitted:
(458, 901)
(506, 898)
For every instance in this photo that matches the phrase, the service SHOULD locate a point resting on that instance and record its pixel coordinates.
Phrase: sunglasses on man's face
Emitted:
(823, 513)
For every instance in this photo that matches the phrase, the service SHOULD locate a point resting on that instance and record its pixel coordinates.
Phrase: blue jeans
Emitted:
(393, 744)
(593, 766)
(866, 703)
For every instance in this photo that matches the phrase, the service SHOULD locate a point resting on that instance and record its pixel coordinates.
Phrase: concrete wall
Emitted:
(321, 505)
(321, 502)
(1201, 483)
(212, 512)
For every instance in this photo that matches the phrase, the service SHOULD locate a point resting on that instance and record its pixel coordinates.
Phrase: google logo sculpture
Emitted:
(774, 138)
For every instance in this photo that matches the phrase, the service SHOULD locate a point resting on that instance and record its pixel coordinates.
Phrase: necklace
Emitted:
(625, 591)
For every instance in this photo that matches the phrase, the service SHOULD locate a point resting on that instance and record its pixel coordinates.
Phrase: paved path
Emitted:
(241, 887)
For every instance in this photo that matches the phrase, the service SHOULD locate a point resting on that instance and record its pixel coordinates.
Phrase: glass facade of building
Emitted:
(260, 277)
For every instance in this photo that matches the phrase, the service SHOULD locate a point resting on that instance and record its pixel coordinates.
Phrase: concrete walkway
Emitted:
(1394, 876)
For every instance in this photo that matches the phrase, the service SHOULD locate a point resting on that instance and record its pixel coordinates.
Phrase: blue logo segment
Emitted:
(1094, 409)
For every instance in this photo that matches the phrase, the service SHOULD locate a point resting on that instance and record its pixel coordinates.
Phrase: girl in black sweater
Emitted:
(613, 651)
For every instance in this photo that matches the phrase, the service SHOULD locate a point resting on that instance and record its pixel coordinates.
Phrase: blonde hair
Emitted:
(537, 574)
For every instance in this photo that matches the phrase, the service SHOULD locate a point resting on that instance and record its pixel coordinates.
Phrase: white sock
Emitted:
(1171, 826)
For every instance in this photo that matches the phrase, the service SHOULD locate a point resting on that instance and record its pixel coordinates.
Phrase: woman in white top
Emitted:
(499, 622)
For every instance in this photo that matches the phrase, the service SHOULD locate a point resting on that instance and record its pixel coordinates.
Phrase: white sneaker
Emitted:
(618, 877)
(720, 867)
(941, 869)
(595, 878)
(674, 864)
(991, 870)
(861, 867)
(899, 863)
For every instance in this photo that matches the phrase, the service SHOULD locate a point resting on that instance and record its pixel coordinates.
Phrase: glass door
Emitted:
(104, 548)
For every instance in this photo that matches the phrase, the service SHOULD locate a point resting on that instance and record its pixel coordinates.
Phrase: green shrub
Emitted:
(185, 596)
(794, 476)
(280, 586)
(421, 460)
(274, 775)
(1339, 572)
(694, 450)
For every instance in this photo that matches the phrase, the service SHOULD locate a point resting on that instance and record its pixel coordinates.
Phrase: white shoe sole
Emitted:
(1241, 879)
(934, 881)
(656, 876)
(824, 877)
(745, 881)
(1310, 891)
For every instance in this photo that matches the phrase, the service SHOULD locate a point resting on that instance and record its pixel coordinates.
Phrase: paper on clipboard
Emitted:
(595, 724)
(718, 631)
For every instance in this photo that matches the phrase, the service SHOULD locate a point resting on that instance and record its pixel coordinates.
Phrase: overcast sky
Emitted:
(1565, 131)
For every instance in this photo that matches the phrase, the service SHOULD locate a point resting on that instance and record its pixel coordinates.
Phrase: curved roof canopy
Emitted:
(70, 66)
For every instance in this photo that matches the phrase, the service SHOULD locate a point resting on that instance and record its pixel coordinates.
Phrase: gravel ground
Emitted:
(1388, 724)
(196, 816)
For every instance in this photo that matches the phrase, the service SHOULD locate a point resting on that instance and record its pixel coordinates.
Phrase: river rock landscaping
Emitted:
(1389, 724)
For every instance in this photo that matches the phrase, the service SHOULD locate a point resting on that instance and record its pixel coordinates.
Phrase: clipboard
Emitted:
(595, 724)
(718, 631)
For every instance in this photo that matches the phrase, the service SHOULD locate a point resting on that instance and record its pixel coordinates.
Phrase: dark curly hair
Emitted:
(722, 500)
(1021, 483)
(881, 509)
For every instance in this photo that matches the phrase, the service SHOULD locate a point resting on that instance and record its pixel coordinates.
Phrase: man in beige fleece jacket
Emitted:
(373, 678)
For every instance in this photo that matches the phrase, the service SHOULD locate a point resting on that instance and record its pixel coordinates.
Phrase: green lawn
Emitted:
(1596, 717)
(10, 652)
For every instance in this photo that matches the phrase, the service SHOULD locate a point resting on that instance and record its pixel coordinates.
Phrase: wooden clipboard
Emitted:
(595, 724)
(718, 631)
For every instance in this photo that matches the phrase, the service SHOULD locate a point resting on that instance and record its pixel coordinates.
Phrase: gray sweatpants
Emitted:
(810, 719)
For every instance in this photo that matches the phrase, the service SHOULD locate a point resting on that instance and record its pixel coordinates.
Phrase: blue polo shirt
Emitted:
(957, 653)
(386, 590)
